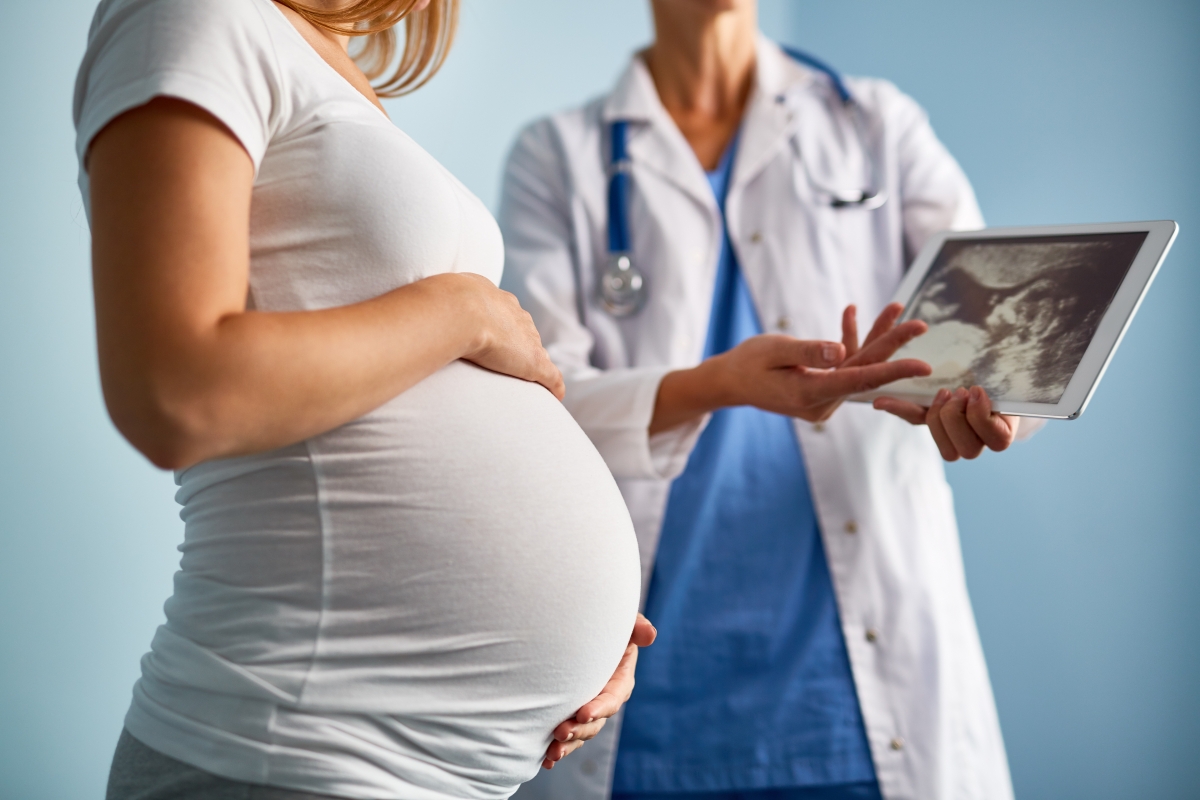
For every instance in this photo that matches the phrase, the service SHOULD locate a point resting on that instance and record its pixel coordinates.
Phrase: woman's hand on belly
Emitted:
(589, 720)
(507, 341)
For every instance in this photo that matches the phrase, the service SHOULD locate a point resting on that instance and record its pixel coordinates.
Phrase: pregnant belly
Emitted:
(481, 572)
(480, 556)
(446, 578)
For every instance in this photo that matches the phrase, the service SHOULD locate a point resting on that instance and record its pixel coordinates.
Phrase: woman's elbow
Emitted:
(165, 454)
(171, 429)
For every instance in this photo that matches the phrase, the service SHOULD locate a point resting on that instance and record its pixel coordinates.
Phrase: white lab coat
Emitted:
(885, 509)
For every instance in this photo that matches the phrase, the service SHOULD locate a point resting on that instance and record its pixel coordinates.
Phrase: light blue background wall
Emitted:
(1082, 546)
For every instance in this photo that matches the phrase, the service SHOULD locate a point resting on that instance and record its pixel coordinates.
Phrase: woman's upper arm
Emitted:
(175, 103)
(170, 194)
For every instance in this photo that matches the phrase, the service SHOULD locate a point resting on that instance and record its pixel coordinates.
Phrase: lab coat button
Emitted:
(897, 743)
(783, 323)
(819, 427)
(851, 526)
(756, 237)
(588, 767)
(872, 635)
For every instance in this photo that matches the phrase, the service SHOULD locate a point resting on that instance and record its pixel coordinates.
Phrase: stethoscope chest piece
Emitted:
(622, 289)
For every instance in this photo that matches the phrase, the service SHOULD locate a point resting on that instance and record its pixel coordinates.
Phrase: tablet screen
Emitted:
(1015, 315)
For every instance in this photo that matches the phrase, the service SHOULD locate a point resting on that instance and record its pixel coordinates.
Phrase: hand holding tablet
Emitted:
(962, 421)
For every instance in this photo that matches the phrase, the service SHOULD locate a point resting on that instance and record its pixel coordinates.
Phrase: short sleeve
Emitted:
(216, 54)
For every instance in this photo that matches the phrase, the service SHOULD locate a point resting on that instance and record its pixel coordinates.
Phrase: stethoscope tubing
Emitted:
(618, 189)
(621, 287)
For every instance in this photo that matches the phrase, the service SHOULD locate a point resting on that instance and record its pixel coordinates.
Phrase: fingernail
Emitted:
(829, 352)
(570, 736)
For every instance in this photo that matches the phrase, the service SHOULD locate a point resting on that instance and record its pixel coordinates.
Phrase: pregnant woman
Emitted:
(404, 564)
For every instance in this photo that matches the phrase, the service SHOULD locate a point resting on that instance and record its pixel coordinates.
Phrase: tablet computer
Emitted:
(1033, 315)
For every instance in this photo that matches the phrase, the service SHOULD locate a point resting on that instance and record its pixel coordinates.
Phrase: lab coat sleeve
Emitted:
(935, 194)
(934, 191)
(538, 211)
(1028, 427)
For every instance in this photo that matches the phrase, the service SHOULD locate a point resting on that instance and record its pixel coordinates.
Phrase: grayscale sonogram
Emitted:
(1015, 316)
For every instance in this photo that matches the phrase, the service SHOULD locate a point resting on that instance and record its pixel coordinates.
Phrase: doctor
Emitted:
(800, 559)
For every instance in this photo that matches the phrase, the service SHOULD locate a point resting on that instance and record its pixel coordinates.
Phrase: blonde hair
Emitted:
(428, 35)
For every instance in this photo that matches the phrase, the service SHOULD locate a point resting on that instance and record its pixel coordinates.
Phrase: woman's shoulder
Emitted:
(178, 22)
(217, 54)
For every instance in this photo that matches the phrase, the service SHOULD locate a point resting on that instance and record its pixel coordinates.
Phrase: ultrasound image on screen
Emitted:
(1015, 315)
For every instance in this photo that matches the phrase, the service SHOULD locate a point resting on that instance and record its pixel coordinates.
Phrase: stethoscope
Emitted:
(622, 287)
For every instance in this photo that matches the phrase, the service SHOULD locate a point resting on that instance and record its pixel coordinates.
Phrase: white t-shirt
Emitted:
(407, 605)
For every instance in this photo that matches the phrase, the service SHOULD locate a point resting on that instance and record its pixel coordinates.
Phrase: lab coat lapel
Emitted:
(657, 143)
(769, 119)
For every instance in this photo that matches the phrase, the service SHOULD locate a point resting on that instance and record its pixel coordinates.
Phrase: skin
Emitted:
(589, 720)
(190, 374)
(961, 421)
(702, 62)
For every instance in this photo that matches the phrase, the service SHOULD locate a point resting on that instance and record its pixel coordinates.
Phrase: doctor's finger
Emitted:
(884, 322)
(788, 352)
(909, 412)
(994, 429)
(884, 347)
(850, 330)
(851, 380)
(954, 418)
(936, 429)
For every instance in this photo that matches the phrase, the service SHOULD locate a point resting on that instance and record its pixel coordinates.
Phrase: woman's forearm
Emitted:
(259, 380)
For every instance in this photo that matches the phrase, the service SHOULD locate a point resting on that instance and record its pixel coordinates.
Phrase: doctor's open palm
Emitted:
(796, 377)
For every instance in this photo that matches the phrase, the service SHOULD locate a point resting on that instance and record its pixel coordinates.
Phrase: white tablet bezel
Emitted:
(1160, 234)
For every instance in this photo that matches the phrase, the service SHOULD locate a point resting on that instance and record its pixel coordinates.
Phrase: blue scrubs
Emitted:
(748, 687)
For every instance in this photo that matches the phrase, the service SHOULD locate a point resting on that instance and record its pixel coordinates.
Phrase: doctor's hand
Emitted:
(962, 422)
(587, 722)
(795, 377)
